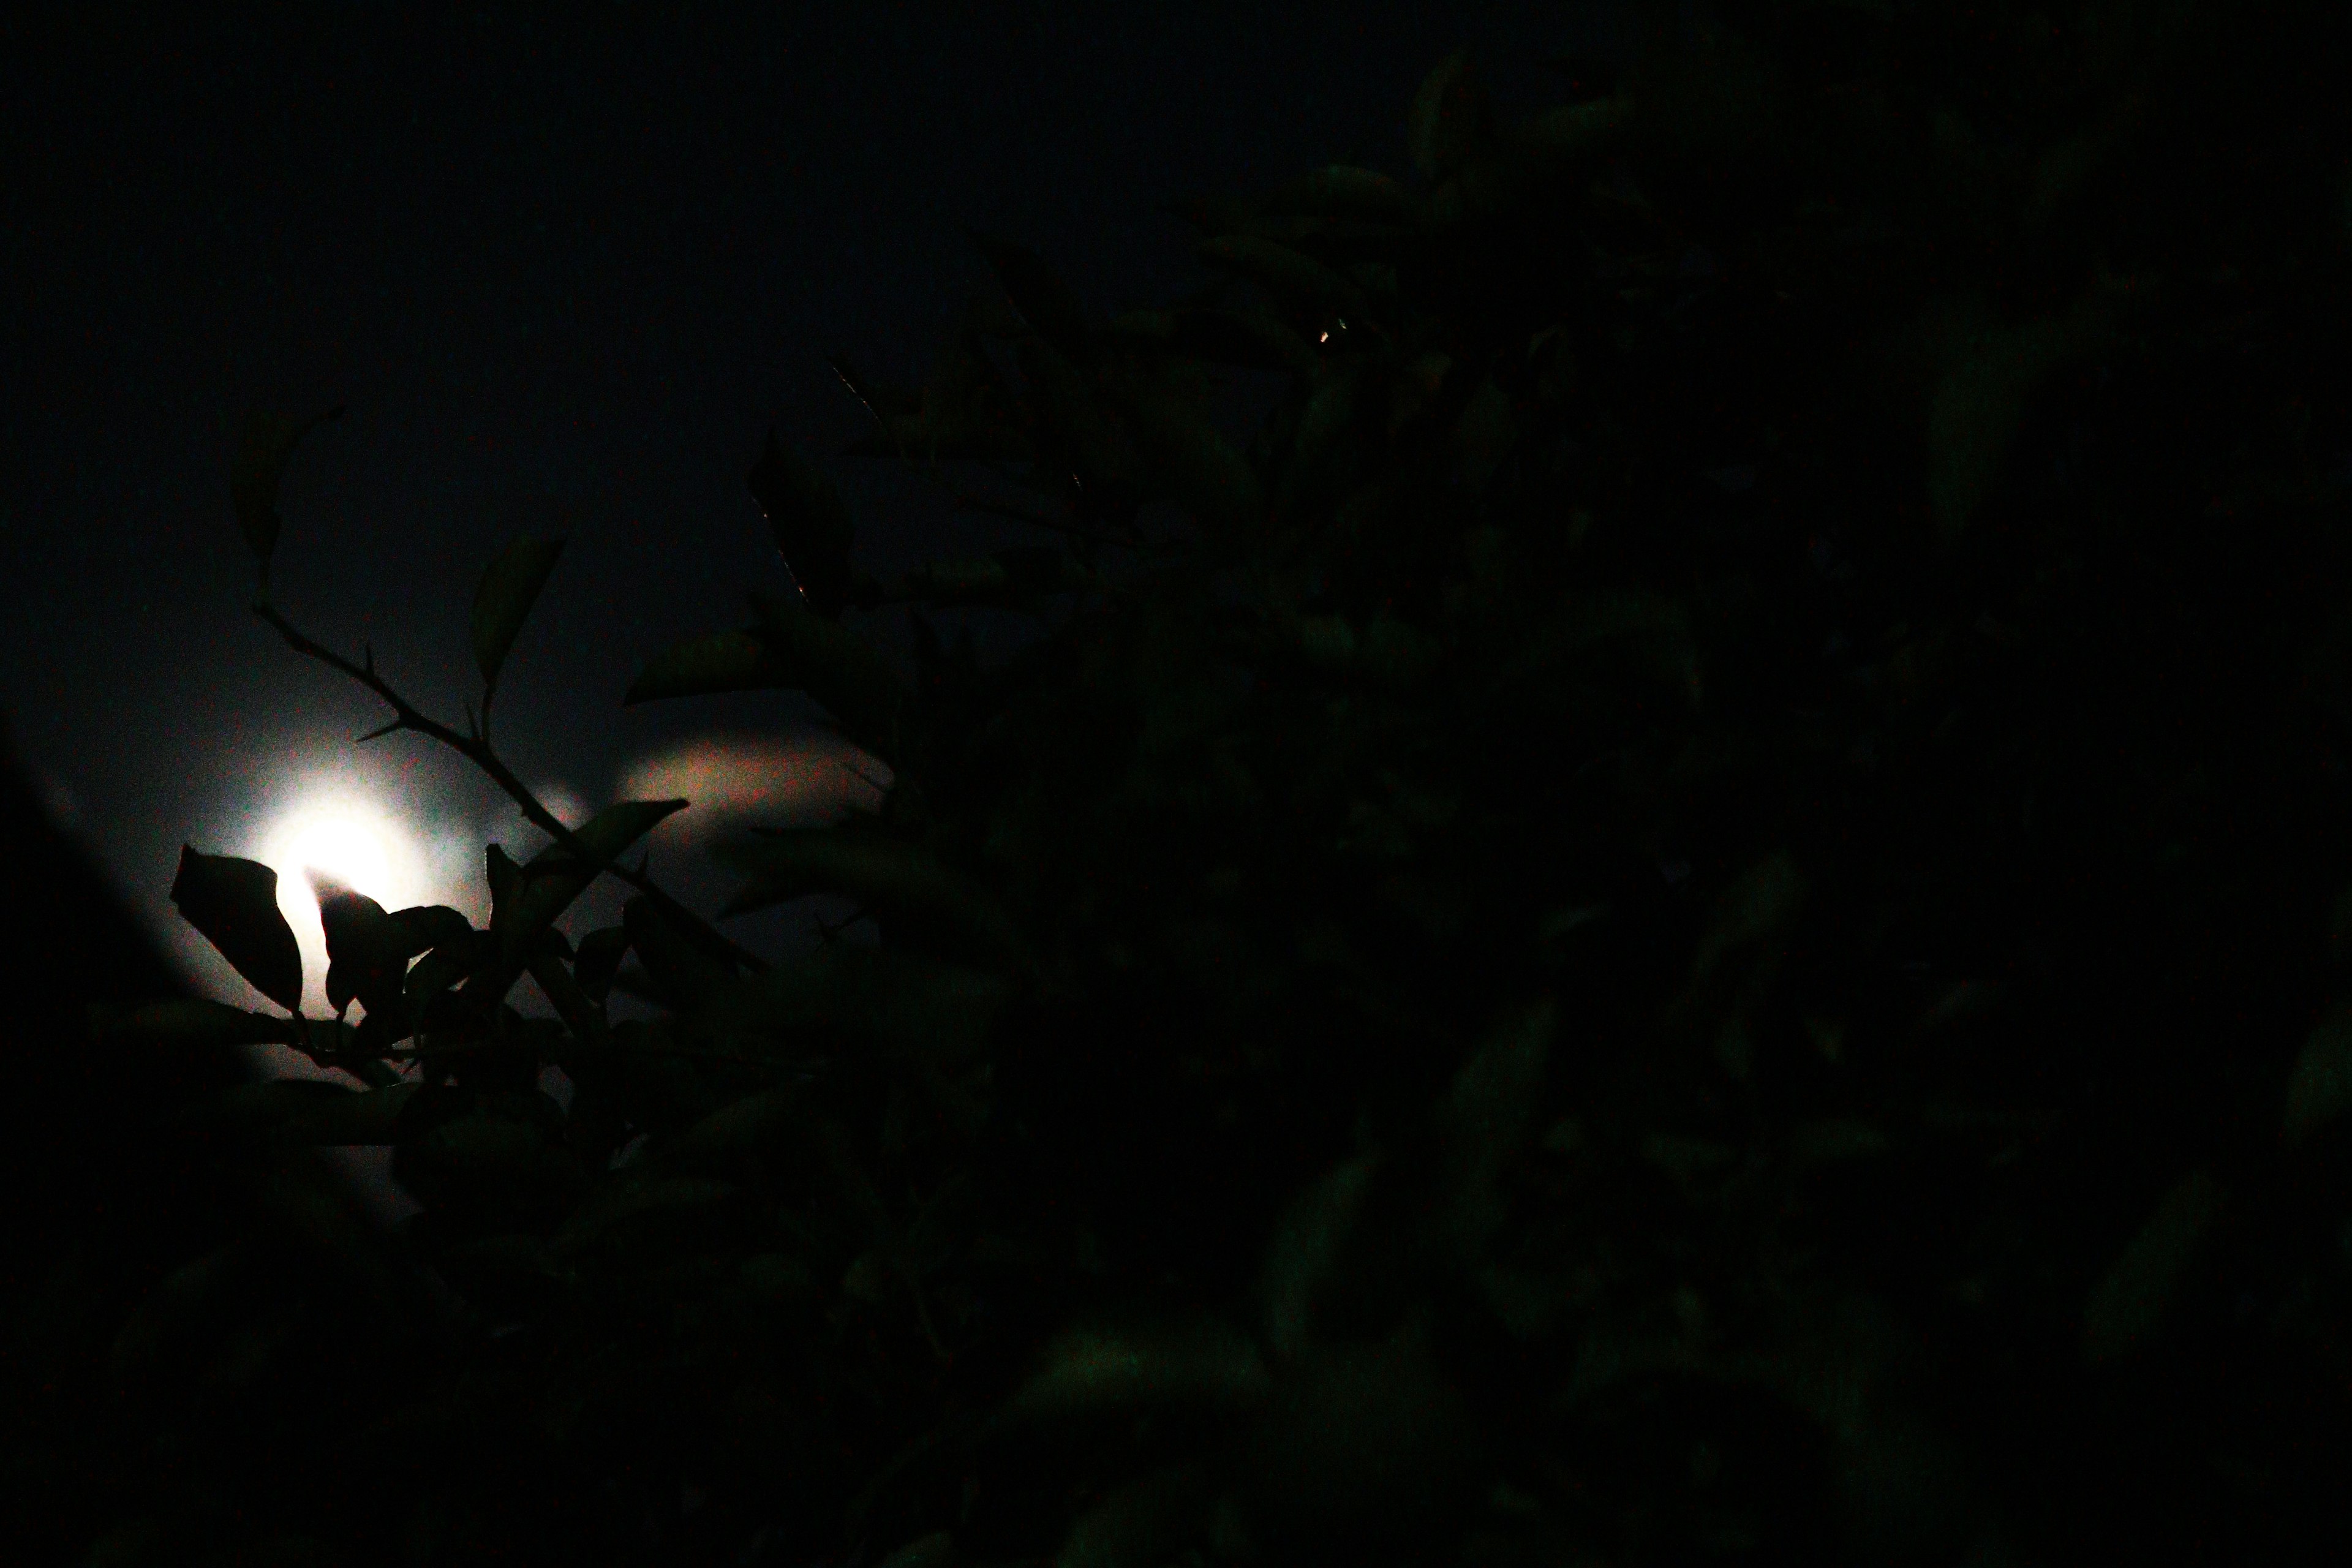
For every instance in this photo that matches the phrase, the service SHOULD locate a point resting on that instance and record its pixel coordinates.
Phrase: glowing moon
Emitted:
(348, 837)
(348, 850)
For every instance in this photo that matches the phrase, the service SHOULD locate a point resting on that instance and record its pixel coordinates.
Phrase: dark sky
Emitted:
(563, 263)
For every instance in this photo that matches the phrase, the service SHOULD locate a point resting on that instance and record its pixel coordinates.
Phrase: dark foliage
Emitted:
(1690, 913)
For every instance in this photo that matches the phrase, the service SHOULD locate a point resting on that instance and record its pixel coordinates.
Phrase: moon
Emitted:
(351, 851)
(353, 841)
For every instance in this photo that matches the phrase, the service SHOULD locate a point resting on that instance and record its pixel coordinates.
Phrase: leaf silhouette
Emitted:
(233, 902)
(502, 602)
(367, 950)
(265, 445)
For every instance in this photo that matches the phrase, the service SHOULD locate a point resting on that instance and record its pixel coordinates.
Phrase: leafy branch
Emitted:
(473, 745)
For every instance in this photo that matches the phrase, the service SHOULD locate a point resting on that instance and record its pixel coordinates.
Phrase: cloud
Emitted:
(805, 778)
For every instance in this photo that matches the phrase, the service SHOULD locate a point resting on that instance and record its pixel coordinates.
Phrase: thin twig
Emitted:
(475, 749)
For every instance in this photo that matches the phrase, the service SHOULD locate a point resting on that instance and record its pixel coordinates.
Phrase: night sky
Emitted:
(565, 266)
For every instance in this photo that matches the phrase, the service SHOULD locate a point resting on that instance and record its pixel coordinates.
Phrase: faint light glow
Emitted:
(800, 779)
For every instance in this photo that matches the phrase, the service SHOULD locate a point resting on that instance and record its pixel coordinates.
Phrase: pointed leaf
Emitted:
(718, 1143)
(1047, 303)
(1572, 133)
(626, 1206)
(968, 408)
(1762, 903)
(1003, 576)
(433, 974)
(264, 447)
(502, 602)
(811, 523)
(233, 902)
(1316, 466)
(1987, 374)
(178, 1308)
(983, 581)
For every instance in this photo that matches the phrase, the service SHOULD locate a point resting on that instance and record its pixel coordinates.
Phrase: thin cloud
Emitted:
(798, 780)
